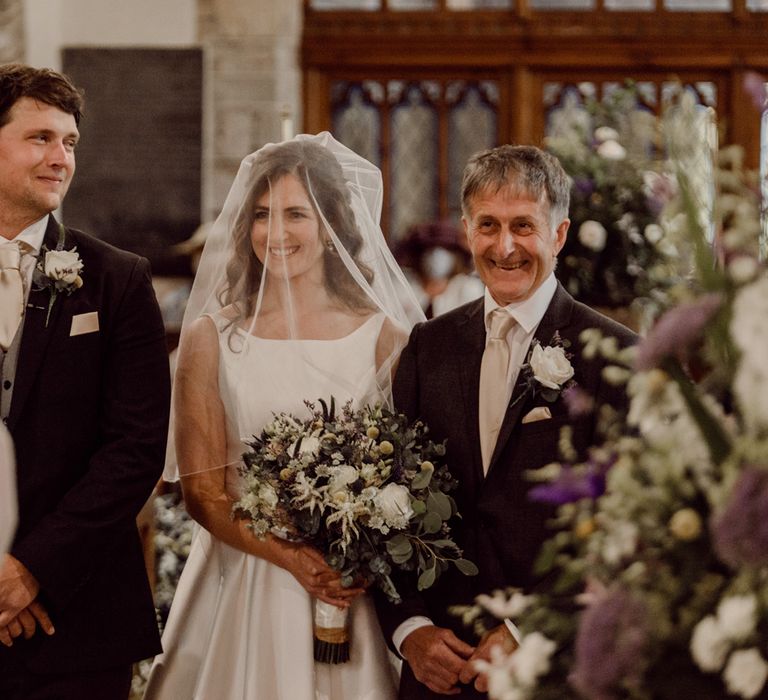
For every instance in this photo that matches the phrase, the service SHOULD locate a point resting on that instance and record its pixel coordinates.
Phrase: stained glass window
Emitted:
(429, 129)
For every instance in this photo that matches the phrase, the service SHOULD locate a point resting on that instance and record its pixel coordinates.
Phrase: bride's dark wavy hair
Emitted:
(323, 179)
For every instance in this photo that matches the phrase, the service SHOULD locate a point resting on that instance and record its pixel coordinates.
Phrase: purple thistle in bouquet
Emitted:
(366, 488)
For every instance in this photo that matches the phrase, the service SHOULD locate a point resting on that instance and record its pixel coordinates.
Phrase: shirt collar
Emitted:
(34, 234)
(527, 313)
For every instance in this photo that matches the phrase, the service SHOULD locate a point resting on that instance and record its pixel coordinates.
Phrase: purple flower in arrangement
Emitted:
(740, 531)
(677, 329)
(584, 185)
(660, 189)
(571, 486)
(611, 643)
(578, 402)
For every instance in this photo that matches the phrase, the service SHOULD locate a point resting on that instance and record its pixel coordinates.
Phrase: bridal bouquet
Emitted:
(658, 572)
(366, 488)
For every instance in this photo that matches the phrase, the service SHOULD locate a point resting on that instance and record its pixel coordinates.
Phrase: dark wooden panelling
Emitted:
(138, 177)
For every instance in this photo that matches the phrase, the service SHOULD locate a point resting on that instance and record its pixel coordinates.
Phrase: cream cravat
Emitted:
(11, 292)
(493, 383)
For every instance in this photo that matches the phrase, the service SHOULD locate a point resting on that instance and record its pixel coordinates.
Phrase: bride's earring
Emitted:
(328, 243)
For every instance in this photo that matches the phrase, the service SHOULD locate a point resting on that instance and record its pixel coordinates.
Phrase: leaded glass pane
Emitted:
(414, 160)
(562, 4)
(478, 4)
(567, 116)
(412, 4)
(698, 5)
(625, 5)
(356, 121)
(345, 4)
(472, 127)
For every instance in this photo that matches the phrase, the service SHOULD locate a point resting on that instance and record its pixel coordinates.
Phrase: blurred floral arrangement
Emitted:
(655, 583)
(615, 245)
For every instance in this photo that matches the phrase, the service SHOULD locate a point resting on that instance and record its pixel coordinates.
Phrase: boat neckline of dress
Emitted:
(248, 335)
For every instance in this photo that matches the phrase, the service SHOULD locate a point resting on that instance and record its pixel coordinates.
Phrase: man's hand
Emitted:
(26, 623)
(18, 588)
(437, 657)
(498, 636)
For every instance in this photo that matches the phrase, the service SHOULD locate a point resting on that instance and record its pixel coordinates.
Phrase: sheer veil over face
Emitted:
(294, 275)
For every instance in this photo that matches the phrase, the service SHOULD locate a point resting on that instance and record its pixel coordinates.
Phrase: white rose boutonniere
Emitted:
(551, 366)
(63, 267)
(547, 371)
(58, 270)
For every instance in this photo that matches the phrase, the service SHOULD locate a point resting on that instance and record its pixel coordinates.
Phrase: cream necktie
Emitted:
(493, 383)
(11, 292)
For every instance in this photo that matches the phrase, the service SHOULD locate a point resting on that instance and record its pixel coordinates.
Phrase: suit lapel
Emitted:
(556, 317)
(469, 354)
(35, 336)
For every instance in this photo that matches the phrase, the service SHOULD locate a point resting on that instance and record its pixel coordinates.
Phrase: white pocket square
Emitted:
(536, 414)
(85, 323)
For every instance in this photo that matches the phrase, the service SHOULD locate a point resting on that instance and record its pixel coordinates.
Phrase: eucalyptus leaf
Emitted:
(399, 545)
(421, 480)
(438, 502)
(418, 506)
(432, 522)
(466, 567)
(426, 579)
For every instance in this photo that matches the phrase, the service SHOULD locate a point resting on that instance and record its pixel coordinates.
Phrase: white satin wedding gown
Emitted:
(240, 628)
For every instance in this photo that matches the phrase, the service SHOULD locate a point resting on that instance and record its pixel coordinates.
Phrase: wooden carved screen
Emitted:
(418, 85)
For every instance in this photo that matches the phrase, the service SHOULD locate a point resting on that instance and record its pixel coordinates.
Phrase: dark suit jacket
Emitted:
(500, 529)
(89, 420)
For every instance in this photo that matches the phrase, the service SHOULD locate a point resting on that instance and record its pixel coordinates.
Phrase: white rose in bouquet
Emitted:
(550, 366)
(342, 477)
(394, 502)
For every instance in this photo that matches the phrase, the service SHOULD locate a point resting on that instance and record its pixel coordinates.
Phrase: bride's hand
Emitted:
(314, 574)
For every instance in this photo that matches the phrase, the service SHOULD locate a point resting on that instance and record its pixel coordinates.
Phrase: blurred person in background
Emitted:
(438, 264)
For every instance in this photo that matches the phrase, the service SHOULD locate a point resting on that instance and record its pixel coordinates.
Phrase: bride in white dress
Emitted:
(297, 298)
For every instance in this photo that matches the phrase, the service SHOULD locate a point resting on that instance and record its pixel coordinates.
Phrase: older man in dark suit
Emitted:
(84, 393)
(461, 374)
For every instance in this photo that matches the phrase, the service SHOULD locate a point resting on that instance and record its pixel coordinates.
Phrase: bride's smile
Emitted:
(286, 230)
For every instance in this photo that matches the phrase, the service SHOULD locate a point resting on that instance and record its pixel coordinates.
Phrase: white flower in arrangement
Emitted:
(749, 326)
(502, 605)
(750, 386)
(268, 495)
(550, 365)
(64, 266)
(606, 133)
(342, 477)
(653, 233)
(532, 658)
(742, 268)
(620, 542)
(309, 446)
(394, 502)
(592, 235)
(737, 616)
(611, 150)
(746, 673)
(709, 644)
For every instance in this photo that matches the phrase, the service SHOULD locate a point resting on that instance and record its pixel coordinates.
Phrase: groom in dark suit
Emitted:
(84, 393)
(461, 373)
